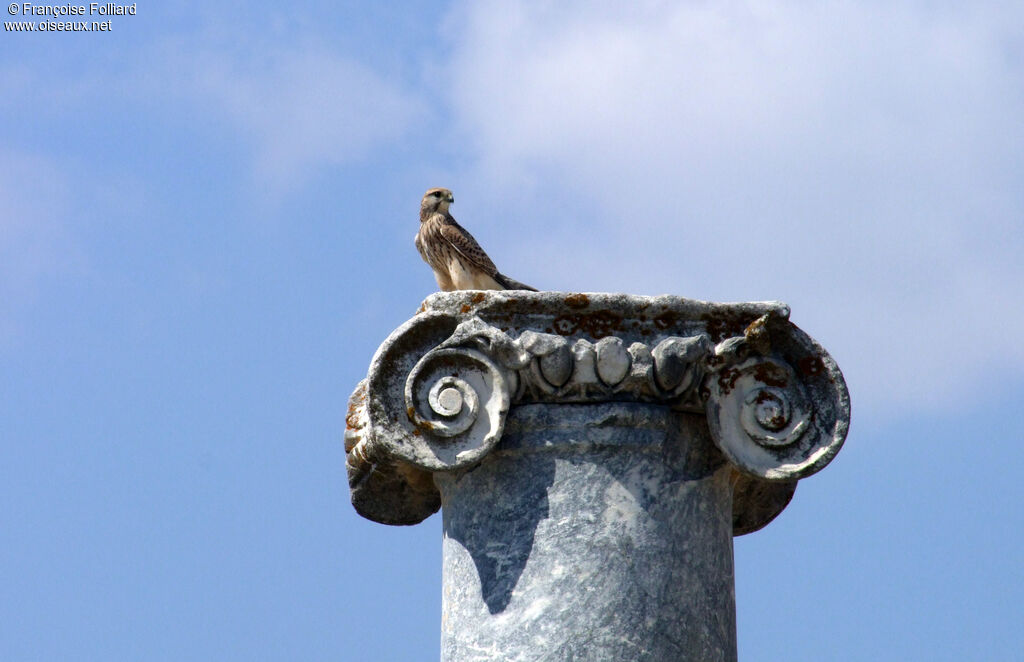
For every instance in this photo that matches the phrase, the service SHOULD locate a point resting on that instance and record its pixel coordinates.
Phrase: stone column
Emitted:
(594, 455)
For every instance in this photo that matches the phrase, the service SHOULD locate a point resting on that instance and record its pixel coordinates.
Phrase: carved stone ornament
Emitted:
(439, 389)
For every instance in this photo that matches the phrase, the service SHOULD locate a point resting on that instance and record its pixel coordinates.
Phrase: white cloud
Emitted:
(299, 107)
(861, 161)
(291, 106)
(292, 102)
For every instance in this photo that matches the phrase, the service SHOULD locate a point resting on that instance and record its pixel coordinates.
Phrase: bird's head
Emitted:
(436, 200)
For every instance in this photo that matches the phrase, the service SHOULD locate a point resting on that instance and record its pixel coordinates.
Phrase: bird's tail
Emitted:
(511, 283)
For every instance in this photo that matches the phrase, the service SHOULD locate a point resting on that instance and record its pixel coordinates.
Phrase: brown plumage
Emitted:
(451, 251)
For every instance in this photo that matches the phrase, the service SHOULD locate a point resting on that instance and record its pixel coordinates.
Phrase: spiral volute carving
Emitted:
(763, 419)
(456, 400)
(439, 388)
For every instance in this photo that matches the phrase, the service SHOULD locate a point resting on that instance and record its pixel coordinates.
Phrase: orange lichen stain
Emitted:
(353, 418)
(419, 427)
(577, 300)
(478, 297)
(466, 308)
(810, 366)
(722, 325)
(727, 380)
(770, 375)
(353, 421)
(597, 324)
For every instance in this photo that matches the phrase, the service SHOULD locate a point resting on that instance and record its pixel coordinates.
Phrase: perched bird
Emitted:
(457, 260)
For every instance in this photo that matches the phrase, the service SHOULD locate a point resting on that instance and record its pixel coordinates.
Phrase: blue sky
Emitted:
(206, 222)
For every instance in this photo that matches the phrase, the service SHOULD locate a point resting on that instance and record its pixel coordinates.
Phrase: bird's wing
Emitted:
(419, 245)
(463, 242)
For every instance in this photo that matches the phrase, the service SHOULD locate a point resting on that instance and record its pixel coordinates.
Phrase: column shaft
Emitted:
(591, 532)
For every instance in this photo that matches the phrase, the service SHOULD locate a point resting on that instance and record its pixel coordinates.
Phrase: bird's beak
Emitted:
(450, 199)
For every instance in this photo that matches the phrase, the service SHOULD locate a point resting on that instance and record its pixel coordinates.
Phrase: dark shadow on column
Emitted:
(498, 529)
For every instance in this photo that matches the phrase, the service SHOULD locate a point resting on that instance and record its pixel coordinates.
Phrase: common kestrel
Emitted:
(451, 251)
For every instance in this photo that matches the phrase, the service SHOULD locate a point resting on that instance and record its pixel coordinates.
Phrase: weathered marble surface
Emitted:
(593, 454)
(775, 401)
(590, 533)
